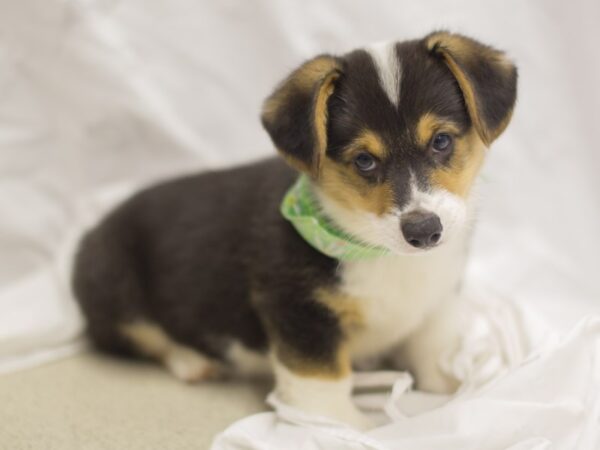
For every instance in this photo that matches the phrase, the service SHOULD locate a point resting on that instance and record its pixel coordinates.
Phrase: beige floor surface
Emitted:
(93, 402)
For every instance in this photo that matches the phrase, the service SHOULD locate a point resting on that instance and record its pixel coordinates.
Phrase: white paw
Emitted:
(437, 382)
(189, 366)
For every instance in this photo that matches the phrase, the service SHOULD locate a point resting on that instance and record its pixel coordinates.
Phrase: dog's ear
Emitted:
(295, 115)
(487, 79)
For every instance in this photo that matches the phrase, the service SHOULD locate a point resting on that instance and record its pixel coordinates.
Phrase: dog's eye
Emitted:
(441, 143)
(365, 162)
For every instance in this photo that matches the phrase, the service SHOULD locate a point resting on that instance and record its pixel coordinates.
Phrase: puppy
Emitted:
(358, 259)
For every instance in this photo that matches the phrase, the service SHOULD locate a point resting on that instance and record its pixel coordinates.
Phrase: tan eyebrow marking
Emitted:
(371, 141)
(429, 123)
(468, 156)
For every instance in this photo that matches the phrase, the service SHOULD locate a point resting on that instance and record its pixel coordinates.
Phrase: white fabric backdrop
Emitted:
(98, 97)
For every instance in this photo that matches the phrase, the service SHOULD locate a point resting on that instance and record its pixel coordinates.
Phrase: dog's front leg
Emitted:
(310, 356)
(421, 353)
(321, 388)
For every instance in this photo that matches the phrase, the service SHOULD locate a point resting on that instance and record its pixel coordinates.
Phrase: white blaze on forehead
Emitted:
(388, 67)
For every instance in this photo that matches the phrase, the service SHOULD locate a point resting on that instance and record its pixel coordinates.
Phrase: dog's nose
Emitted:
(421, 229)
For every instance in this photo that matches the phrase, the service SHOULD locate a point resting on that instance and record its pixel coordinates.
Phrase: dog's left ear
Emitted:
(487, 79)
(295, 115)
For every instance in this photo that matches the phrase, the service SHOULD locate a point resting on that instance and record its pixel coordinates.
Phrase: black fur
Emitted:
(360, 102)
(189, 255)
(292, 129)
(494, 81)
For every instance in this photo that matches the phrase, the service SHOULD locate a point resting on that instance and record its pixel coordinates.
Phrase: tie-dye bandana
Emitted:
(300, 207)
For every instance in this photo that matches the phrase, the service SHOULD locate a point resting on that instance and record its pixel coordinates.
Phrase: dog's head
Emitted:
(394, 135)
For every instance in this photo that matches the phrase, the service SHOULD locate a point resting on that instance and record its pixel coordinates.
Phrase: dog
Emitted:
(350, 249)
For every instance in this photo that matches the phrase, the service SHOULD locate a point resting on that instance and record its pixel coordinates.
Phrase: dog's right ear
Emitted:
(486, 77)
(295, 115)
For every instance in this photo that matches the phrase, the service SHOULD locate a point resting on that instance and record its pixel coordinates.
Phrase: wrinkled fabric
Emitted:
(524, 387)
(101, 97)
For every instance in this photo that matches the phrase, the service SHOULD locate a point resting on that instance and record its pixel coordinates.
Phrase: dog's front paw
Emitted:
(437, 382)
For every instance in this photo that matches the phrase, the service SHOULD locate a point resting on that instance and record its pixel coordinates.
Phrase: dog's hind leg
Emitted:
(109, 286)
(184, 362)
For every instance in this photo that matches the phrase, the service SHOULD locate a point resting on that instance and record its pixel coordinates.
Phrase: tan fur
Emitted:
(342, 183)
(467, 158)
(470, 98)
(346, 308)
(314, 71)
(148, 338)
(348, 188)
(429, 124)
(458, 45)
(338, 368)
(295, 163)
(320, 118)
(370, 141)
(184, 362)
(466, 49)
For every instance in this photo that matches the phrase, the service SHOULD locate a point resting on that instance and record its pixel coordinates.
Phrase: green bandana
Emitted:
(299, 206)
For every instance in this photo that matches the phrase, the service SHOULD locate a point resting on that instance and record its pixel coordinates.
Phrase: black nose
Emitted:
(421, 229)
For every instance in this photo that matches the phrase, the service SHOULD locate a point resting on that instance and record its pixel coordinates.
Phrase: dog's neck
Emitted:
(380, 231)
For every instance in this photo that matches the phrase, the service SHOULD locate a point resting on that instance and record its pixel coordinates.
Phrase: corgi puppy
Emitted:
(350, 249)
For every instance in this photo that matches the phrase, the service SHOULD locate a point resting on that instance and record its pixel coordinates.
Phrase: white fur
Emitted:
(384, 231)
(247, 362)
(182, 361)
(188, 365)
(398, 292)
(455, 213)
(324, 397)
(388, 68)
(437, 338)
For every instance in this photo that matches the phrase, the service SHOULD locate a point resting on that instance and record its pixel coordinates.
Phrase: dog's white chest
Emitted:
(396, 293)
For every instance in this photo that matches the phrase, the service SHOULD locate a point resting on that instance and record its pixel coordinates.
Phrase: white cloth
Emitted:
(98, 97)
(41, 321)
(524, 387)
